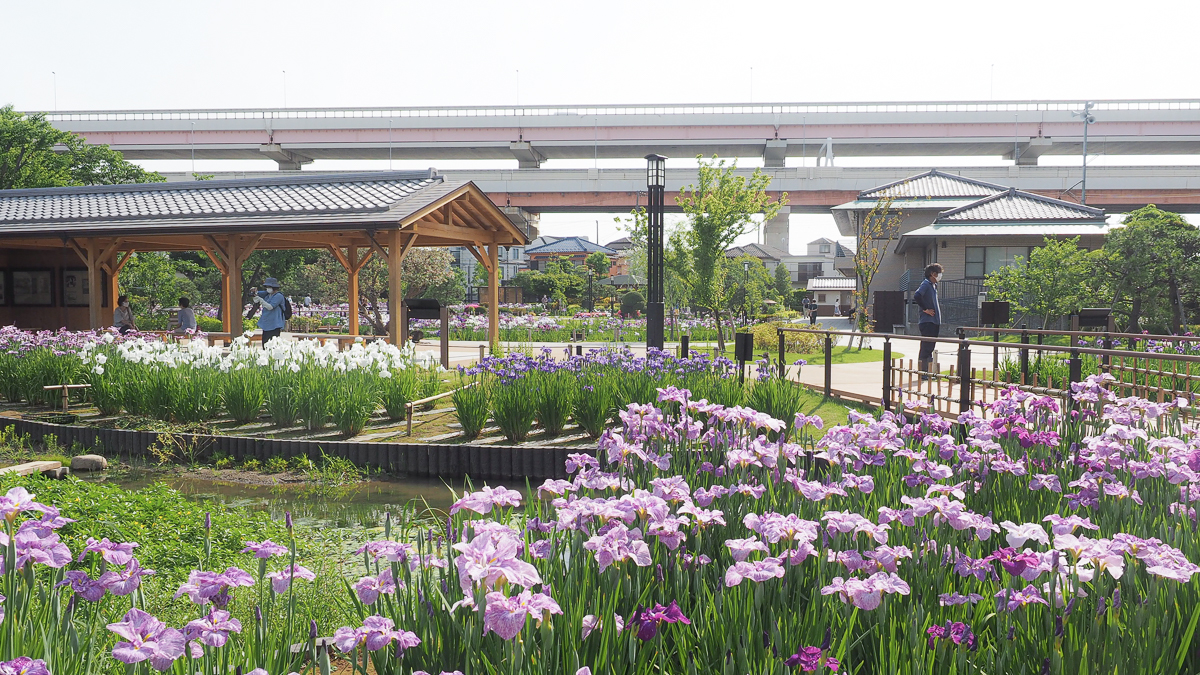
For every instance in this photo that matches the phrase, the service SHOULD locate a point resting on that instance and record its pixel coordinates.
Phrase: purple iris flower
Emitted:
(265, 549)
(146, 639)
(23, 665)
(647, 621)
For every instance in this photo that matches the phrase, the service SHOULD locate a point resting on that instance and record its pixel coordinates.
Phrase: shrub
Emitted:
(275, 464)
(251, 465)
(209, 324)
(766, 337)
(632, 302)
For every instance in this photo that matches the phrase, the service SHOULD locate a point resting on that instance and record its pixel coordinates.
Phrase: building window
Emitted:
(983, 260)
(820, 297)
(824, 248)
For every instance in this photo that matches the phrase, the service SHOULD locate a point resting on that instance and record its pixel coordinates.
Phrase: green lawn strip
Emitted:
(841, 354)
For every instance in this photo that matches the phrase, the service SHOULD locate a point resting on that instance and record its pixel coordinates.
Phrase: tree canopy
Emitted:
(1151, 263)
(720, 207)
(33, 154)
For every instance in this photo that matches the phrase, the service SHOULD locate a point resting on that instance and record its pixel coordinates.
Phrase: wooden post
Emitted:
(352, 286)
(113, 266)
(396, 251)
(233, 285)
(493, 255)
(94, 284)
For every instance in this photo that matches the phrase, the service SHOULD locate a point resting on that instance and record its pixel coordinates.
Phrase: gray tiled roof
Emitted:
(286, 195)
(569, 245)
(757, 251)
(933, 185)
(1014, 205)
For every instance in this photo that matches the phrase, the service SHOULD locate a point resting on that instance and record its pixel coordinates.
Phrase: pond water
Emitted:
(365, 504)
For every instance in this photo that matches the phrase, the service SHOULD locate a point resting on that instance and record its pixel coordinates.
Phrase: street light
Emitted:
(745, 292)
(656, 183)
(1088, 120)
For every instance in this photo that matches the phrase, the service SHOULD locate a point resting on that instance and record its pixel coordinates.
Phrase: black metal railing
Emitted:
(1148, 374)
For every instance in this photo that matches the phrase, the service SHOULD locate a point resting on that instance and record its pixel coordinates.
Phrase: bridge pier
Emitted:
(526, 220)
(527, 156)
(1028, 153)
(776, 230)
(775, 154)
(287, 160)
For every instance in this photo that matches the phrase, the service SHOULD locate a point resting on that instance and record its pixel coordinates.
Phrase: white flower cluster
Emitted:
(380, 357)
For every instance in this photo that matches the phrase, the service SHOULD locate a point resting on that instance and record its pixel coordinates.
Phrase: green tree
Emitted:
(451, 291)
(1151, 263)
(153, 283)
(874, 236)
(34, 154)
(1059, 278)
(748, 285)
(677, 270)
(720, 207)
(783, 280)
(598, 263)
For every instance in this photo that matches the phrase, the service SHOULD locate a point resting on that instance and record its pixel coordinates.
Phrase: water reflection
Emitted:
(363, 505)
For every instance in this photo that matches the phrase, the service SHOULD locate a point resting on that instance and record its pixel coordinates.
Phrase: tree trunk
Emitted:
(716, 312)
(1135, 312)
(1176, 317)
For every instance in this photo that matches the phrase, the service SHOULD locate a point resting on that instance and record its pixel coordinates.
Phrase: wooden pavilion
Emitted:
(59, 244)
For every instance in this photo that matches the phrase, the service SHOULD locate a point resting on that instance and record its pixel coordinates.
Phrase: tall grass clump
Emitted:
(593, 405)
(429, 383)
(398, 390)
(282, 398)
(555, 393)
(195, 394)
(471, 401)
(244, 391)
(356, 397)
(775, 395)
(514, 407)
(315, 394)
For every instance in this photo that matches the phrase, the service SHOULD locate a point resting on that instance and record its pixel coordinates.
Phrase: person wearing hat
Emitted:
(271, 301)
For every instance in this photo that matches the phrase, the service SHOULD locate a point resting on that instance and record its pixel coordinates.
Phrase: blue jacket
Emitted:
(272, 311)
(926, 297)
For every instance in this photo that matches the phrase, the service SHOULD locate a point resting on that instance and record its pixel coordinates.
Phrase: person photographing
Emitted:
(271, 302)
(930, 322)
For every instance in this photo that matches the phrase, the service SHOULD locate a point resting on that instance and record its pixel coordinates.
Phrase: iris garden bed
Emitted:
(698, 538)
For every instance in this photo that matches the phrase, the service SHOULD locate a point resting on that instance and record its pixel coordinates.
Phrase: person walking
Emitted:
(271, 301)
(837, 305)
(187, 318)
(930, 322)
(123, 316)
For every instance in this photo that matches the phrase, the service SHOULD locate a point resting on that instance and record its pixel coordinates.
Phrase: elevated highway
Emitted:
(1024, 130)
(817, 189)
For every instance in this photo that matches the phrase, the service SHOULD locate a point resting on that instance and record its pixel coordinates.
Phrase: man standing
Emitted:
(930, 323)
(271, 300)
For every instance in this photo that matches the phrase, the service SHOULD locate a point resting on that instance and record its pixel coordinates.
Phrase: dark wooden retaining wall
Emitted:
(492, 462)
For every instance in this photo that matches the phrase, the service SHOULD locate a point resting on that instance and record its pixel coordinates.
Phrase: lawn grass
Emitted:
(842, 354)
(832, 411)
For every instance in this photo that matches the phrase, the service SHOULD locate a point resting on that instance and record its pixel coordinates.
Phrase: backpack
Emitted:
(287, 309)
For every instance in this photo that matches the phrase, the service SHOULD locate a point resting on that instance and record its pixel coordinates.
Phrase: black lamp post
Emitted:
(745, 292)
(591, 295)
(656, 183)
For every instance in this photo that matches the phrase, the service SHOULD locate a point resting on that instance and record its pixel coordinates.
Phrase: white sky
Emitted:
(137, 55)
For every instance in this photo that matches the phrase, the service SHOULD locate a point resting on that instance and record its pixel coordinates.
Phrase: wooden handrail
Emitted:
(412, 404)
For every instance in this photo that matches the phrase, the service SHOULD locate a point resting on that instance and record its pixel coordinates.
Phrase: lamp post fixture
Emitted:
(591, 295)
(1088, 120)
(745, 292)
(656, 183)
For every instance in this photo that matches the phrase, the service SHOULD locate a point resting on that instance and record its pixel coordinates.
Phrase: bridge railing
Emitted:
(589, 111)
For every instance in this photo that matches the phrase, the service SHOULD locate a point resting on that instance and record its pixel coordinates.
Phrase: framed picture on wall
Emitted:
(33, 288)
(75, 289)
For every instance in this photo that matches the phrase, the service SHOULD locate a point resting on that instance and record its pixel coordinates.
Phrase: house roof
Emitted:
(1013, 205)
(832, 283)
(620, 244)
(760, 251)
(933, 184)
(541, 241)
(262, 205)
(568, 245)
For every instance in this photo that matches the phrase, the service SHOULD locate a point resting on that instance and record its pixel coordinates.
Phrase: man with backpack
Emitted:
(276, 310)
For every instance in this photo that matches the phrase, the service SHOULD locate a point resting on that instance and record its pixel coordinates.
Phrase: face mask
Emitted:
(937, 277)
